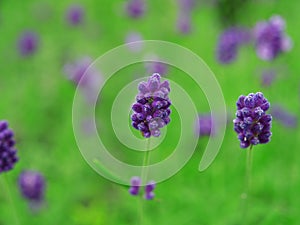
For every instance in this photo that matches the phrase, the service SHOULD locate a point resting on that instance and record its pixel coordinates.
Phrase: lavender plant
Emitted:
(75, 15)
(28, 43)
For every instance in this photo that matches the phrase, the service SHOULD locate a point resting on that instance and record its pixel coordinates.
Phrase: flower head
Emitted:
(28, 43)
(8, 154)
(32, 185)
(136, 8)
(151, 111)
(270, 38)
(283, 116)
(229, 42)
(252, 124)
(149, 188)
(75, 14)
(135, 186)
(134, 37)
(184, 23)
(205, 125)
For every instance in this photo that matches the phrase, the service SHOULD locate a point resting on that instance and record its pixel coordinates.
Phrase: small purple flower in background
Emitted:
(32, 187)
(284, 117)
(89, 83)
(252, 124)
(149, 188)
(75, 15)
(184, 23)
(205, 125)
(186, 5)
(136, 8)
(267, 77)
(270, 38)
(151, 111)
(28, 43)
(134, 37)
(135, 186)
(157, 67)
(8, 153)
(229, 42)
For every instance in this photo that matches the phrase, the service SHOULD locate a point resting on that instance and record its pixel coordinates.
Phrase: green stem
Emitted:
(246, 193)
(8, 194)
(144, 178)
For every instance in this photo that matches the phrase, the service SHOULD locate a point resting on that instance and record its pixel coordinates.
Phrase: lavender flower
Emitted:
(252, 124)
(186, 5)
(135, 186)
(136, 8)
(205, 125)
(75, 14)
(151, 111)
(184, 23)
(149, 188)
(157, 67)
(8, 154)
(229, 42)
(28, 43)
(32, 186)
(270, 38)
(284, 116)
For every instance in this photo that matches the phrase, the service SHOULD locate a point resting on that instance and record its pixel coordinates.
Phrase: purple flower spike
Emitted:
(75, 15)
(149, 188)
(28, 43)
(8, 154)
(270, 38)
(157, 67)
(229, 42)
(151, 112)
(252, 124)
(135, 186)
(186, 5)
(32, 186)
(136, 8)
(134, 37)
(184, 23)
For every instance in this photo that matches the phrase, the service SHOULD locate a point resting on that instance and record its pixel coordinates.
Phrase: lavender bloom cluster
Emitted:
(151, 111)
(184, 18)
(229, 42)
(284, 117)
(8, 154)
(28, 43)
(32, 186)
(270, 38)
(252, 124)
(205, 125)
(135, 188)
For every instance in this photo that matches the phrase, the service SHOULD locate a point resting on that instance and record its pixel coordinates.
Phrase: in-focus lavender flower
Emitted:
(151, 111)
(135, 186)
(136, 8)
(28, 43)
(270, 38)
(283, 116)
(75, 15)
(229, 42)
(134, 37)
(8, 153)
(32, 186)
(205, 125)
(149, 188)
(252, 124)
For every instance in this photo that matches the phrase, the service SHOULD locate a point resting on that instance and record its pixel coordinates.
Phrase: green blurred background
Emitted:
(37, 102)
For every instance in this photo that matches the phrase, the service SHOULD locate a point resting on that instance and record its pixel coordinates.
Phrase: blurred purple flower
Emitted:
(184, 23)
(283, 116)
(75, 15)
(205, 125)
(229, 42)
(267, 77)
(134, 37)
(28, 43)
(156, 67)
(135, 186)
(186, 5)
(151, 111)
(32, 186)
(149, 188)
(136, 8)
(270, 38)
(8, 153)
(252, 124)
